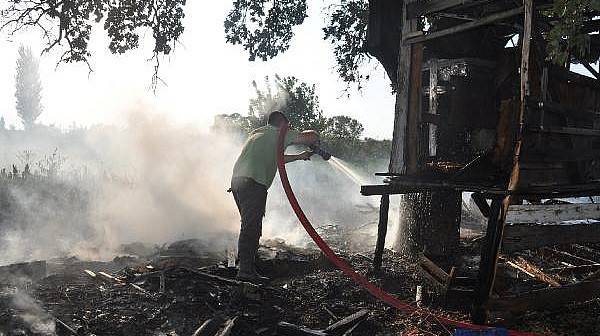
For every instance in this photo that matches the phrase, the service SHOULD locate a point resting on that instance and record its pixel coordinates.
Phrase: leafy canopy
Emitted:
(265, 29)
(68, 24)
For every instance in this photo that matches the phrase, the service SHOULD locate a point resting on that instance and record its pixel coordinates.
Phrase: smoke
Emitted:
(31, 315)
(179, 179)
(155, 182)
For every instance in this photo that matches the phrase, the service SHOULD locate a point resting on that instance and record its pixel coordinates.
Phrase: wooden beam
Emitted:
(288, 329)
(419, 8)
(566, 130)
(547, 298)
(551, 213)
(465, 26)
(407, 186)
(567, 111)
(487, 265)
(525, 236)
(589, 68)
(532, 270)
(593, 277)
(414, 186)
(574, 268)
(434, 270)
(347, 322)
(398, 156)
(482, 204)
(496, 222)
(414, 110)
(384, 208)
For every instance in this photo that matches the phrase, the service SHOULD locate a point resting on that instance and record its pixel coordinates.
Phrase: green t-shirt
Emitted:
(258, 159)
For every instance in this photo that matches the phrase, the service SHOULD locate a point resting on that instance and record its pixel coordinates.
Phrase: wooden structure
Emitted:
(477, 113)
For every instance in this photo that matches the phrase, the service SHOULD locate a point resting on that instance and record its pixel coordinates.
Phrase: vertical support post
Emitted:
(499, 208)
(381, 232)
(413, 141)
(487, 265)
(398, 159)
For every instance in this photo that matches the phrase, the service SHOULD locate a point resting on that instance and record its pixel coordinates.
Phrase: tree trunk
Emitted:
(430, 223)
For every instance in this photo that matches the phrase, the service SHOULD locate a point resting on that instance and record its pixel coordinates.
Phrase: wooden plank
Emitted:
(288, 329)
(482, 204)
(407, 186)
(434, 270)
(525, 236)
(465, 26)
(574, 268)
(568, 111)
(347, 322)
(487, 266)
(547, 298)
(384, 208)
(593, 277)
(414, 109)
(551, 213)
(399, 142)
(414, 186)
(523, 265)
(422, 7)
(566, 130)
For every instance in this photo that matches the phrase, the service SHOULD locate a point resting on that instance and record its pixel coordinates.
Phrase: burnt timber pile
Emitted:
(480, 110)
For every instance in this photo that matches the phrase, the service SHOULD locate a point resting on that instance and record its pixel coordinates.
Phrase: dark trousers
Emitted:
(250, 198)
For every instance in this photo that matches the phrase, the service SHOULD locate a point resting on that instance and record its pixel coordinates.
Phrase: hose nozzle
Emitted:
(321, 152)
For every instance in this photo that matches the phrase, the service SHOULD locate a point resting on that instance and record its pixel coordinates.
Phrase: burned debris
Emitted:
(481, 110)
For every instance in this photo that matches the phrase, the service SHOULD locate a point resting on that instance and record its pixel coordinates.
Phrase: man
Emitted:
(253, 174)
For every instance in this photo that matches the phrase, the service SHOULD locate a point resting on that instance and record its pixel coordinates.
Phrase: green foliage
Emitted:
(567, 37)
(264, 27)
(298, 100)
(347, 31)
(28, 88)
(71, 21)
(235, 124)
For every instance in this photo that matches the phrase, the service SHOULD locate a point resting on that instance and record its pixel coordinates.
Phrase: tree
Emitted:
(569, 39)
(298, 100)
(68, 23)
(28, 88)
(2, 124)
(265, 29)
(341, 135)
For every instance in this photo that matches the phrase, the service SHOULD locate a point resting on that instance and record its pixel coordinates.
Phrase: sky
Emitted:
(204, 76)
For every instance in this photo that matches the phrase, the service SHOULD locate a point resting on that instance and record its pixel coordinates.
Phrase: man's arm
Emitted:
(300, 156)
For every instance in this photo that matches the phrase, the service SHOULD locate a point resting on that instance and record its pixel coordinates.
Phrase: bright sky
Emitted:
(205, 76)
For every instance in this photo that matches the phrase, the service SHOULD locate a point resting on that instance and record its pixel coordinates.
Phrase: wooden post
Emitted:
(398, 157)
(499, 208)
(487, 265)
(381, 231)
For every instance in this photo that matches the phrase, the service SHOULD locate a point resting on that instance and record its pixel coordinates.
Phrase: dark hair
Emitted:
(276, 117)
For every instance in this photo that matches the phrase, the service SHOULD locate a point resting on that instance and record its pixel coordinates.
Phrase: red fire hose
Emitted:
(347, 268)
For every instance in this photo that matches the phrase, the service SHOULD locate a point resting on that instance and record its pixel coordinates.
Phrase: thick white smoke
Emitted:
(154, 182)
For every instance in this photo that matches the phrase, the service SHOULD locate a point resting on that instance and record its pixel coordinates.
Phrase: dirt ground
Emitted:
(175, 292)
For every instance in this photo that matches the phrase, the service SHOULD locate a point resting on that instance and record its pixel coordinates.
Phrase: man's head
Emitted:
(277, 118)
